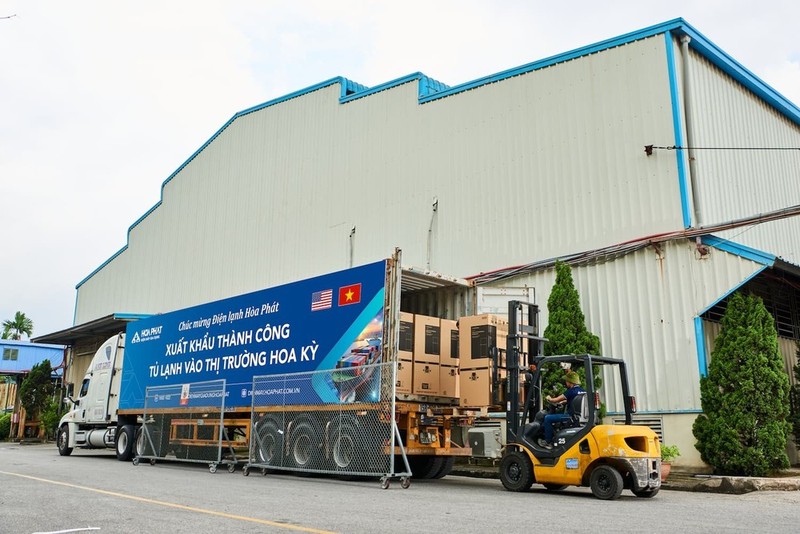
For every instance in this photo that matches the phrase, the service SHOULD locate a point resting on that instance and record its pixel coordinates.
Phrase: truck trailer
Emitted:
(307, 376)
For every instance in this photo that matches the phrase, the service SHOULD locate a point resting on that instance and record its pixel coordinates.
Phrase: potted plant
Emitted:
(668, 454)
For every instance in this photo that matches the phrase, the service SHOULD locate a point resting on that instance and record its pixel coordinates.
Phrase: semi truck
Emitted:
(304, 376)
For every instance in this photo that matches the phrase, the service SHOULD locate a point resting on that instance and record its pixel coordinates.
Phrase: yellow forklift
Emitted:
(583, 452)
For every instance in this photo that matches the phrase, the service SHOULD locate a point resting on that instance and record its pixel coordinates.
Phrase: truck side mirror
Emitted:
(70, 399)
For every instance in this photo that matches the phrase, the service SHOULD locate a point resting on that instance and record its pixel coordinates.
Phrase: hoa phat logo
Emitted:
(147, 334)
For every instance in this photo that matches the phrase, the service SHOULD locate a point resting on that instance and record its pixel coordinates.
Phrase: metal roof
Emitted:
(104, 326)
(414, 279)
(430, 90)
(28, 354)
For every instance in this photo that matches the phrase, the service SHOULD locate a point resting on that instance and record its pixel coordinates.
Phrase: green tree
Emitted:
(743, 429)
(5, 426)
(50, 417)
(36, 390)
(566, 330)
(14, 328)
(795, 397)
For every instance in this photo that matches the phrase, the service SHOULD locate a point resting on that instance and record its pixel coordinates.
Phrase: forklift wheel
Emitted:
(516, 471)
(606, 483)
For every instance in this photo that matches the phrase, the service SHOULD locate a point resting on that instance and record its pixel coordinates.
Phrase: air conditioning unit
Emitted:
(485, 442)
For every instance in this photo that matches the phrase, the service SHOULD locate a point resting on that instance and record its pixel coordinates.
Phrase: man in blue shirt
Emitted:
(573, 382)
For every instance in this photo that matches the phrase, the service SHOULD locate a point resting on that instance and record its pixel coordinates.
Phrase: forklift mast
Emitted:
(523, 323)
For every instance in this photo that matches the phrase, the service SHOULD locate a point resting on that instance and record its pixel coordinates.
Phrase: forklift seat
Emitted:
(580, 410)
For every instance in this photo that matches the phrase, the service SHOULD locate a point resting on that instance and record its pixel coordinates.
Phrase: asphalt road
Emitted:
(92, 492)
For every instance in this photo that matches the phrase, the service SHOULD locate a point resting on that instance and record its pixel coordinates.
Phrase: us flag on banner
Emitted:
(321, 300)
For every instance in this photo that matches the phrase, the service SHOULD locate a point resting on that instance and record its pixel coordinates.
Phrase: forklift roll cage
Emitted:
(523, 324)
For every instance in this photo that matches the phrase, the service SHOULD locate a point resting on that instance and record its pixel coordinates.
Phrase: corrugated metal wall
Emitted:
(642, 306)
(526, 168)
(739, 173)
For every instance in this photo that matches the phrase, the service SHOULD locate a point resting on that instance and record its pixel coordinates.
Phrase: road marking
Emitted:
(70, 530)
(174, 505)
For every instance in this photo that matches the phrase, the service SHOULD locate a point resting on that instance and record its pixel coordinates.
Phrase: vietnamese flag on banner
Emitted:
(350, 294)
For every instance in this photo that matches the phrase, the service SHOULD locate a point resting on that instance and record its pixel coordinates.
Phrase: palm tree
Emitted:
(14, 328)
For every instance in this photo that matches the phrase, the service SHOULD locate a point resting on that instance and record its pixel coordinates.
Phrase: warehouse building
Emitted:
(653, 162)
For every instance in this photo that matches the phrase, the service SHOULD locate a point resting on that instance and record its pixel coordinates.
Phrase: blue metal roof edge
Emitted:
(561, 58)
(347, 87)
(677, 26)
(427, 86)
(109, 260)
(758, 256)
(131, 316)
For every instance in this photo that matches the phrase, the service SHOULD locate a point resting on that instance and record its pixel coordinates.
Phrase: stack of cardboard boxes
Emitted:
(481, 336)
(451, 361)
(449, 383)
(405, 358)
(428, 358)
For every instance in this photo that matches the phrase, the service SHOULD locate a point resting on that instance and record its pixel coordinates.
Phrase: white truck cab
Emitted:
(92, 420)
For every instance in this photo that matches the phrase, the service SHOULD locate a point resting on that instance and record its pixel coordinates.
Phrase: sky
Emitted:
(100, 101)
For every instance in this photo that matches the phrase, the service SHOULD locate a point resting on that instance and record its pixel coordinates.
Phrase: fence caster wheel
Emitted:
(405, 482)
(212, 468)
(246, 471)
(152, 461)
(136, 461)
(385, 482)
(263, 471)
(231, 468)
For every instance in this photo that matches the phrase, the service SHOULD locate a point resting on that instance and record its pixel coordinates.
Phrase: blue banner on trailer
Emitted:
(309, 325)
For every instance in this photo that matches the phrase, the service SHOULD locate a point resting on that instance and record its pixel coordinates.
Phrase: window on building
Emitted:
(10, 354)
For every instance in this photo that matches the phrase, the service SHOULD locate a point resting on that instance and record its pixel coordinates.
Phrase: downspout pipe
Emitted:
(688, 119)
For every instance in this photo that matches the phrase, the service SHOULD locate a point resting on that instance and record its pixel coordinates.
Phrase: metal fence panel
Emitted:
(352, 434)
(186, 422)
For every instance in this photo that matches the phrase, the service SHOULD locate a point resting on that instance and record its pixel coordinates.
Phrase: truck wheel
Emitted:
(516, 471)
(62, 441)
(304, 449)
(269, 443)
(447, 466)
(606, 483)
(125, 440)
(425, 467)
(345, 449)
(139, 442)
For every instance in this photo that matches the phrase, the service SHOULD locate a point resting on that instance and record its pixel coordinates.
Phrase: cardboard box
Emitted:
(449, 385)
(478, 335)
(427, 339)
(406, 337)
(404, 377)
(426, 379)
(475, 387)
(449, 345)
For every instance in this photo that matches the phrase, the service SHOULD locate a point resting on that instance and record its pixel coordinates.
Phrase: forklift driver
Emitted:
(573, 382)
